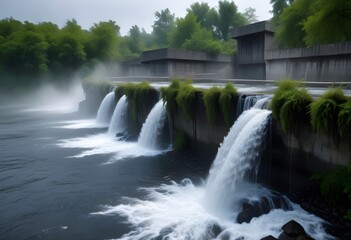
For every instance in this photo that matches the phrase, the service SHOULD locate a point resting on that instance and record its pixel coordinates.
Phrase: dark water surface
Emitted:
(44, 194)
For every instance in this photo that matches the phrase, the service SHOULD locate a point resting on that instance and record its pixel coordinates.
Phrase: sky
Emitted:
(126, 13)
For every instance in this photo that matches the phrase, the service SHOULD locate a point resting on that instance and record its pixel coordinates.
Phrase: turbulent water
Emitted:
(239, 155)
(153, 126)
(118, 123)
(103, 115)
(55, 183)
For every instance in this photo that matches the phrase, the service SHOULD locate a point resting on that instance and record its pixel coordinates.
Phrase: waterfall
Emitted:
(237, 157)
(262, 103)
(118, 122)
(152, 127)
(106, 107)
(246, 102)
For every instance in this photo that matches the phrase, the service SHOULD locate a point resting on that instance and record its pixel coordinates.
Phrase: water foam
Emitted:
(101, 144)
(235, 159)
(152, 128)
(118, 122)
(184, 211)
(176, 212)
(103, 115)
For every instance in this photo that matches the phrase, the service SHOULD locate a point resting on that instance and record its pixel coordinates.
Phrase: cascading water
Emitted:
(153, 126)
(262, 103)
(246, 102)
(237, 156)
(184, 211)
(103, 115)
(118, 122)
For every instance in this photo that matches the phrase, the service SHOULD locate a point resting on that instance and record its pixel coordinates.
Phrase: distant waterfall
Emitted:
(152, 128)
(262, 103)
(236, 158)
(106, 107)
(118, 122)
(246, 102)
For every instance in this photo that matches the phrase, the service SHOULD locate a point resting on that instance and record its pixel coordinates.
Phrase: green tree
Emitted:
(329, 23)
(229, 17)
(9, 26)
(135, 42)
(250, 15)
(278, 7)
(25, 52)
(164, 24)
(203, 40)
(290, 32)
(70, 52)
(185, 28)
(103, 41)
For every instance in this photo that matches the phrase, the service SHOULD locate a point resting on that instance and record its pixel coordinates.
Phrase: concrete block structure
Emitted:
(258, 57)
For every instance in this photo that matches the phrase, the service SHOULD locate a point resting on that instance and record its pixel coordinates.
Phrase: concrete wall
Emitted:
(325, 63)
(259, 58)
(184, 63)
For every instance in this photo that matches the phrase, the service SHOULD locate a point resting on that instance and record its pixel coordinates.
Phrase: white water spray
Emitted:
(235, 158)
(118, 123)
(152, 128)
(104, 113)
(184, 211)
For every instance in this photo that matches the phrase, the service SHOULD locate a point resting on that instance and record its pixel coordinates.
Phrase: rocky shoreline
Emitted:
(310, 199)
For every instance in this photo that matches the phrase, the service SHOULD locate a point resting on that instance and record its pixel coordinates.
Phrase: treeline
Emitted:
(302, 23)
(28, 49)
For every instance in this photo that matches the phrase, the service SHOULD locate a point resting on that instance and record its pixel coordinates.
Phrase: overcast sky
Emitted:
(126, 13)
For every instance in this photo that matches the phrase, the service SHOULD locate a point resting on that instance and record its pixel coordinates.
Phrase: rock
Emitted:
(304, 237)
(293, 229)
(270, 237)
(263, 206)
(249, 213)
(284, 236)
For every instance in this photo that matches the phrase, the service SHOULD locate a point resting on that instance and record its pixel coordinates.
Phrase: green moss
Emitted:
(138, 94)
(278, 100)
(290, 104)
(294, 109)
(211, 100)
(335, 187)
(180, 142)
(169, 94)
(103, 86)
(226, 103)
(186, 99)
(344, 118)
(325, 110)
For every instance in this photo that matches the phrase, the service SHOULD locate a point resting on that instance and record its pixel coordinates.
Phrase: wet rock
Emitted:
(123, 136)
(293, 229)
(270, 237)
(249, 213)
(214, 230)
(264, 205)
(304, 237)
(284, 236)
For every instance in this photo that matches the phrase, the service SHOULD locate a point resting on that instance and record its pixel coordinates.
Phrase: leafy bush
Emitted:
(226, 102)
(325, 109)
(290, 104)
(344, 118)
(137, 94)
(335, 187)
(169, 94)
(277, 101)
(186, 99)
(295, 108)
(211, 100)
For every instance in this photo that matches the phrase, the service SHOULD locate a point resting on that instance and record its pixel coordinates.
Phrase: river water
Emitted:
(64, 177)
(47, 194)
